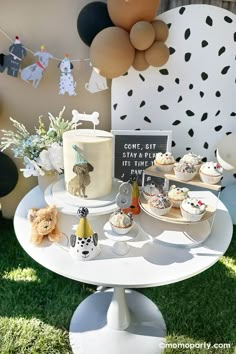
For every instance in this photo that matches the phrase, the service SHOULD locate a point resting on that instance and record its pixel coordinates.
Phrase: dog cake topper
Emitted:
(84, 243)
(93, 117)
(77, 185)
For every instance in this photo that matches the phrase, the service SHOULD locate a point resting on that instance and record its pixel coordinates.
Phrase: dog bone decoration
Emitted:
(67, 83)
(12, 61)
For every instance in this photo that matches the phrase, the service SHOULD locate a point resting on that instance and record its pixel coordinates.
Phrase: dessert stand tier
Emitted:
(69, 204)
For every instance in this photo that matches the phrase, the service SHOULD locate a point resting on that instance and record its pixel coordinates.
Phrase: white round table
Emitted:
(118, 320)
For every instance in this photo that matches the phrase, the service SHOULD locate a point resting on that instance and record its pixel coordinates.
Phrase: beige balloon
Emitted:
(142, 35)
(161, 30)
(111, 52)
(125, 13)
(157, 55)
(140, 63)
(225, 153)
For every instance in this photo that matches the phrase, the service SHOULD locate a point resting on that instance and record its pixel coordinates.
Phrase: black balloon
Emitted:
(93, 18)
(8, 175)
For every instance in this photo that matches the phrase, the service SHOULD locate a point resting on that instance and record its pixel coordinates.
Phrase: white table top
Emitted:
(149, 263)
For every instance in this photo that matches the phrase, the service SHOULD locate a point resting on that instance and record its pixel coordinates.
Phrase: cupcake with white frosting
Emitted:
(211, 172)
(195, 160)
(121, 222)
(150, 190)
(164, 162)
(160, 204)
(185, 171)
(177, 195)
(192, 209)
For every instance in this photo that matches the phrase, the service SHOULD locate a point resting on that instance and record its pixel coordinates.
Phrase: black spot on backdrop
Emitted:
(218, 128)
(235, 36)
(188, 148)
(142, 104)
(234, 175)
(176, 122)
(204, 159)
(178, 159)
(209, 21)
(160, 88)
(222, 188)
(233, 114)
(190, 113)
(172, 50)
(115, 106)
(148, 120)
(202, 94)
(177, 81)
(130, 93)
(217, 113)
(187, 57)
(204, 44)
(228, 133)
(169, 25)
(228, 19)
(123, 117)
(191, 133)
(190, 86)
(181, 10)
(187, 33)
(180, 99)
(215, 153)
(164, 72)
(204, 76)
(204, 117)
(206, 145)
(221, 51)
(218, 94)
(137, 129)
(173, 144)
(225, 70)
(125, 74)
(142, 77)
(164, 107)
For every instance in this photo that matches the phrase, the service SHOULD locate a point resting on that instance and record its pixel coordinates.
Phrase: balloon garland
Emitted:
(134, 38)
(8, 175)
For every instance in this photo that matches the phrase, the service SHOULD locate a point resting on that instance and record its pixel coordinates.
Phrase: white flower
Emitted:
(31, 168)
(44, 161)
(56, 157)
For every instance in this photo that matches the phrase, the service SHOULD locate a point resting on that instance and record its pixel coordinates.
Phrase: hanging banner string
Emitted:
(29, 50)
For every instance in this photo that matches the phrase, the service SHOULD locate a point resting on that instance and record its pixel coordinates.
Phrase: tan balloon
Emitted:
(161, 30)
(140, 63)
(142, 35)
(111, 52)
(157, 55)
(125, 13)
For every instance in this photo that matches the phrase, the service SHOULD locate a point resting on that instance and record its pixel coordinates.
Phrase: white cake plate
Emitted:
(54, 195)
(176, 235)
(120, 246)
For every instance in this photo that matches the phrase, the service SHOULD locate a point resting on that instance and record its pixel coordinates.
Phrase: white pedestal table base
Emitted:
(114, 323)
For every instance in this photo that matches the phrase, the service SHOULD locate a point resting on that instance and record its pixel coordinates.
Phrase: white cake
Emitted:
(88, 162)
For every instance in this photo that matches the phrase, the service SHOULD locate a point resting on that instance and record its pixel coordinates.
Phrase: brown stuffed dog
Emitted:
(43, 223)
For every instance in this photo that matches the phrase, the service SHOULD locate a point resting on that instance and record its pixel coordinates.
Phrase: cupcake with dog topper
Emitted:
(194, 159)
(84, 242)
(192, 209)
(177, 195)
(211, 172)
(185, 171)
(151, 189)
(164, 162)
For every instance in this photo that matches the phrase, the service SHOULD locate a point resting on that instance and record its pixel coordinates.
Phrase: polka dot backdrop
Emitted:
(194, 94)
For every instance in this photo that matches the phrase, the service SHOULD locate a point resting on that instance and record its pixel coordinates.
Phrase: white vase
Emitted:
(46, 180)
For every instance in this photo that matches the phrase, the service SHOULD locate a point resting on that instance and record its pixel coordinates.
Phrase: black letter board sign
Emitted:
(134, 151)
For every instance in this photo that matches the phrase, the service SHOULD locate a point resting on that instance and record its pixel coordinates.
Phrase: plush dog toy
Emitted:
(43, 223)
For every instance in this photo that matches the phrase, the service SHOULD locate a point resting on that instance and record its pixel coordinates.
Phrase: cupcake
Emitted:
(211, 172)
(195, 160)
(164, 162)
(177, 195)
(184, 171)
(150, 190)
(192, 209)
(160, 204)
(121, 222)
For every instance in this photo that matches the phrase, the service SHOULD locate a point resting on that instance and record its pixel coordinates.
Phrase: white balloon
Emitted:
(226, 153)
(228, 197)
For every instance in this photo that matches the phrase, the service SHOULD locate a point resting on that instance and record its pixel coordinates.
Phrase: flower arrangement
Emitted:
(41, 152)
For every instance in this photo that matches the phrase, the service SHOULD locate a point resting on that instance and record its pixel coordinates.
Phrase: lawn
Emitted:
(36, 305)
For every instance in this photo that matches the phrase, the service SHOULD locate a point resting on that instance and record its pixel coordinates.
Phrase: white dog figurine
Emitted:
(67, 83)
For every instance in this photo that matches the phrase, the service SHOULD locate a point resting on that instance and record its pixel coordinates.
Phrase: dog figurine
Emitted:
(67, 83)
(77, 185)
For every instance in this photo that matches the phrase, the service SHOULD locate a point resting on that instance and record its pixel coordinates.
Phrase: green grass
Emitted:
(36, 305)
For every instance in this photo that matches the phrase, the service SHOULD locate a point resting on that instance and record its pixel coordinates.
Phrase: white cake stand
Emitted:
(120, 246)
(56, 194)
